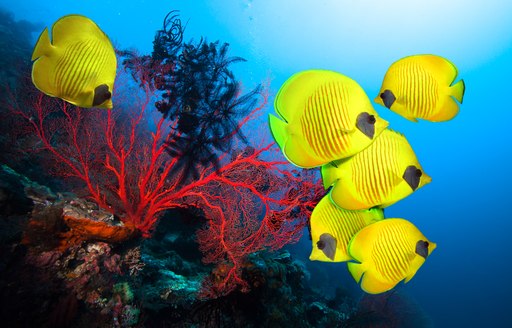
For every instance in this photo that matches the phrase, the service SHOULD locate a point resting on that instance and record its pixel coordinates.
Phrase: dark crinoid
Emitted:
(202, 95)
(198, 91)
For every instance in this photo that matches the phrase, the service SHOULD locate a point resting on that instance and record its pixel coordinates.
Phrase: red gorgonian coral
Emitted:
(250, 204)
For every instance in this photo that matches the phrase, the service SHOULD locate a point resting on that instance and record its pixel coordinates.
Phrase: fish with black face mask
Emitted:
(387, 252)
(380, 175)
(323, 116)
(332, 228)
(78, 64)
(422, 86)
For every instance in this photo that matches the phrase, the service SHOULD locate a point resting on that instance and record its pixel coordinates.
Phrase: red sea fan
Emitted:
(120, 156)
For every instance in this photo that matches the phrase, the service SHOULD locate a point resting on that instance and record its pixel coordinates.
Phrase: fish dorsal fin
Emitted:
(292, 96)
(442, 69)
(75, 28)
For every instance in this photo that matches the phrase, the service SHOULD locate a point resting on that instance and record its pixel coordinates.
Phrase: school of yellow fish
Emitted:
(325, 119)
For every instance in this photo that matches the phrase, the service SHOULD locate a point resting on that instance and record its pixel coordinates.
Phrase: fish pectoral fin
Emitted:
(396, 178)
(345, 130)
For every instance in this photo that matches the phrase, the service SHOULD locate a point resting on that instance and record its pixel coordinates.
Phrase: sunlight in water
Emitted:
(312, 32)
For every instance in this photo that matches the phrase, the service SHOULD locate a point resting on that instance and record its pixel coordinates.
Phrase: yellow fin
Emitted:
(293, 146)
(359, 246)
(318, 255)
(369, 283)
(278, 129)
(71, 28)
(448, 111)
(42, 69)
(43, 46)
(330, 173)
(443, 69)
(295, 90)
(372, 285)
(373, 214)
(397, 180)
(356, 270)
(457, 90)
(298, 152)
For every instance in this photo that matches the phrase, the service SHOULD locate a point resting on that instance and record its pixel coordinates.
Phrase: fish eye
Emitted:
(419, 173)
(382, 95)
(371, 119)
(320, 244)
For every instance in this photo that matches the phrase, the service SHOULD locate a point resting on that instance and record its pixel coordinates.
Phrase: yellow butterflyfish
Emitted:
(388, 252)
(380, 175)
(421, 86)
(78, 64)
(332, 228)
(323, 116)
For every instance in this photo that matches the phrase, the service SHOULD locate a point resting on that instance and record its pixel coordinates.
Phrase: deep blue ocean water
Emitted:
(465, 210)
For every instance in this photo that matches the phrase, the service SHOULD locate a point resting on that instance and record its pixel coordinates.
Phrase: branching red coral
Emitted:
(257, 207)
(250, 204)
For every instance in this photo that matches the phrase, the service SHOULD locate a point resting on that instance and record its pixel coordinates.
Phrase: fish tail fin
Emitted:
(356, 270)
(294, 147)
(43, 65)
(457, 90)
(329, 173)
(43, 45)
(278, 129)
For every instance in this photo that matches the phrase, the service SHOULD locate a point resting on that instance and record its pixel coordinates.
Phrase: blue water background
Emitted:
(465, 210)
